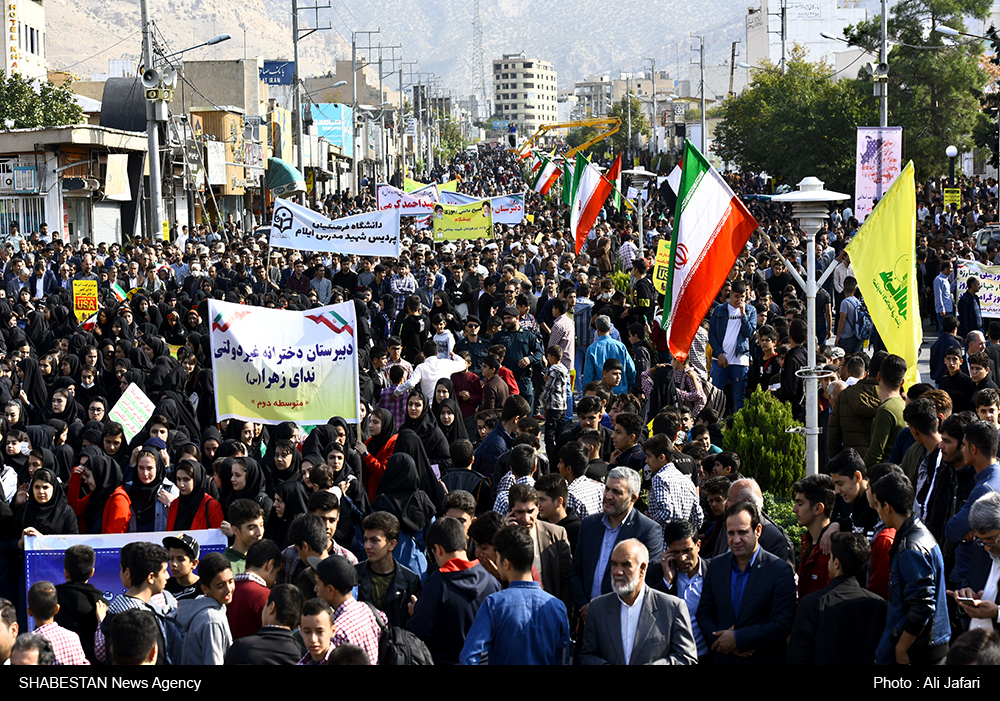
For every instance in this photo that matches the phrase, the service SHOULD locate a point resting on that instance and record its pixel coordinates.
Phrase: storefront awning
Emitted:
(283, 178)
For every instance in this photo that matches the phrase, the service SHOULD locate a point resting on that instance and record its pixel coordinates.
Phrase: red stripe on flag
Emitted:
(711, 272)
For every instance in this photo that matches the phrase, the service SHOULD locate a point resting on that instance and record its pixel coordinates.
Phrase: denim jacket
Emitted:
(917, 602)
(720, 322)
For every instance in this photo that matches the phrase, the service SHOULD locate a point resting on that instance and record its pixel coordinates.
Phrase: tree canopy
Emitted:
(934, 82)
(795, 125)
(640, 125)
(29, 104)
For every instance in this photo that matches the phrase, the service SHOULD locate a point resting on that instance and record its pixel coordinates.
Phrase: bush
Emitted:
(771, 456)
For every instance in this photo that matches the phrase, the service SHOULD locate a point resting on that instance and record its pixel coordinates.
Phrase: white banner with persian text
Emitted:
(368, 234)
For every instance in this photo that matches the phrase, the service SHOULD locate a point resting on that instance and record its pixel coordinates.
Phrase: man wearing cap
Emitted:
(523, 351)
(354, 622)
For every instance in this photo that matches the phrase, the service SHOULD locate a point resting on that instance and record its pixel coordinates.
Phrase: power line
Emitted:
(117, 43)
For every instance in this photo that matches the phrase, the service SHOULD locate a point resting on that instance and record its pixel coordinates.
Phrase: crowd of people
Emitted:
(534, 478)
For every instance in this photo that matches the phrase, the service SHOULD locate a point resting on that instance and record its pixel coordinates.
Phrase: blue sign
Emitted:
(277, 72)
(334, 121)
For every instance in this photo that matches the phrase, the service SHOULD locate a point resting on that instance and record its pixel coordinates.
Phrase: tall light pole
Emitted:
(354, 104)
(641, 177)
(156, 111)
(701, 90)
(811, 209)
(653, 120)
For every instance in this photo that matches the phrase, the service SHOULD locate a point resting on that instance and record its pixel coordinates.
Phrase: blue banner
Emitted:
(334, 122)
(43, 555)
(277, 72)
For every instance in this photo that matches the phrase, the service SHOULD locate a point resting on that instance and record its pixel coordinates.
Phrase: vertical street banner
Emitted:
(84, 299)
(418, 203)
(466, 221)
(879, 161)
(367, 234)
(272, 365)
(883, 254)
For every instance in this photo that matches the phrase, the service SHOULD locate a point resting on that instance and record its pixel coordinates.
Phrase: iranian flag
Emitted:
(711, 227)
(118, 292)
(545, 176)
(90, 324)
(590, 192)
(615, 176)
(567, 182)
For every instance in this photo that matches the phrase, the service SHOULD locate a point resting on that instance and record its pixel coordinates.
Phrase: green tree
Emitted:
(581, 135)
(640, 125)
(985, 132)
(795, 125)
(452, 140)
(30, 104)
(773, 457)
(934, 83)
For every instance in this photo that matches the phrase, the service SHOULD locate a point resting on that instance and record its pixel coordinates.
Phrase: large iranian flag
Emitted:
(711, 227)
(545, 176)
(590, 192)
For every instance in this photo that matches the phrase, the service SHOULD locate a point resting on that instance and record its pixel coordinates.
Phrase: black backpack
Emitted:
(398, 646)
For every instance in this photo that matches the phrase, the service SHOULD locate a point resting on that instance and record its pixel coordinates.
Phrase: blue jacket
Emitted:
(603, 348)
(917, 600)
(958, 525)
(496, 443)
(718, 324)
(520, 625)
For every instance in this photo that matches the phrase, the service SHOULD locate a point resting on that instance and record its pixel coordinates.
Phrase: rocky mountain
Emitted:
(580, 38)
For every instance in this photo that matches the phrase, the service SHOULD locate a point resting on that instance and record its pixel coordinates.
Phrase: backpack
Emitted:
(398, 646)
(863, 325)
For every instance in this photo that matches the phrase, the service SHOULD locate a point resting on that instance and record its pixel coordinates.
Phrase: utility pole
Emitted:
(416, 132)
(732, 67)
(153, 109)
(383, 138)
(354, 104)
(701, 90)
(628, 102)
(296, 81)
(653, 120)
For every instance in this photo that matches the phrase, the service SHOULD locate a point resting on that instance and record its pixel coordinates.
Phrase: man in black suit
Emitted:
(841, 623)
(748, 601)
(273, 644)
(590, 575)
(681, 573)
(772, 538)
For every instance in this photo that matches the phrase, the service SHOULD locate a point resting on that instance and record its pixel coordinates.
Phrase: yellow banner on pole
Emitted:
(661, 267)
(467, 221)
(84, 299)
(883, 254)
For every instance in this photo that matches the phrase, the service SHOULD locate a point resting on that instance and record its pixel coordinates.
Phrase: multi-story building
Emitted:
(24, 38)
(525, 91)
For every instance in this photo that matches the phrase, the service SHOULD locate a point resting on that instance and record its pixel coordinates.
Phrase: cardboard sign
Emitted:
(84, 299)
(132, 411)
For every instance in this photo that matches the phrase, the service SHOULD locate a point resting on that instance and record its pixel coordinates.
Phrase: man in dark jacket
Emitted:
(382, 580)
(274, 643)
(452, 595)
(78, 597)
(854, 408)
(840, 624)
(792, 388)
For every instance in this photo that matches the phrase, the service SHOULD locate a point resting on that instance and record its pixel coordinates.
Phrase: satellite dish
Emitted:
(150, 78)
(169, 76)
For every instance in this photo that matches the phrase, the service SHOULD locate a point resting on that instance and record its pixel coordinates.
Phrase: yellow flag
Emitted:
(409, 184)
(450, 186)
(883, 254)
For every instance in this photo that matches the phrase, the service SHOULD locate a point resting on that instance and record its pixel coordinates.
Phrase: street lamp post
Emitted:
(811, 209)
(951, 152)
(641, 177)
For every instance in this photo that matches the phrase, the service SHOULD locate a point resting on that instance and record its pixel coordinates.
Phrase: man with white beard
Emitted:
(653, 627)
